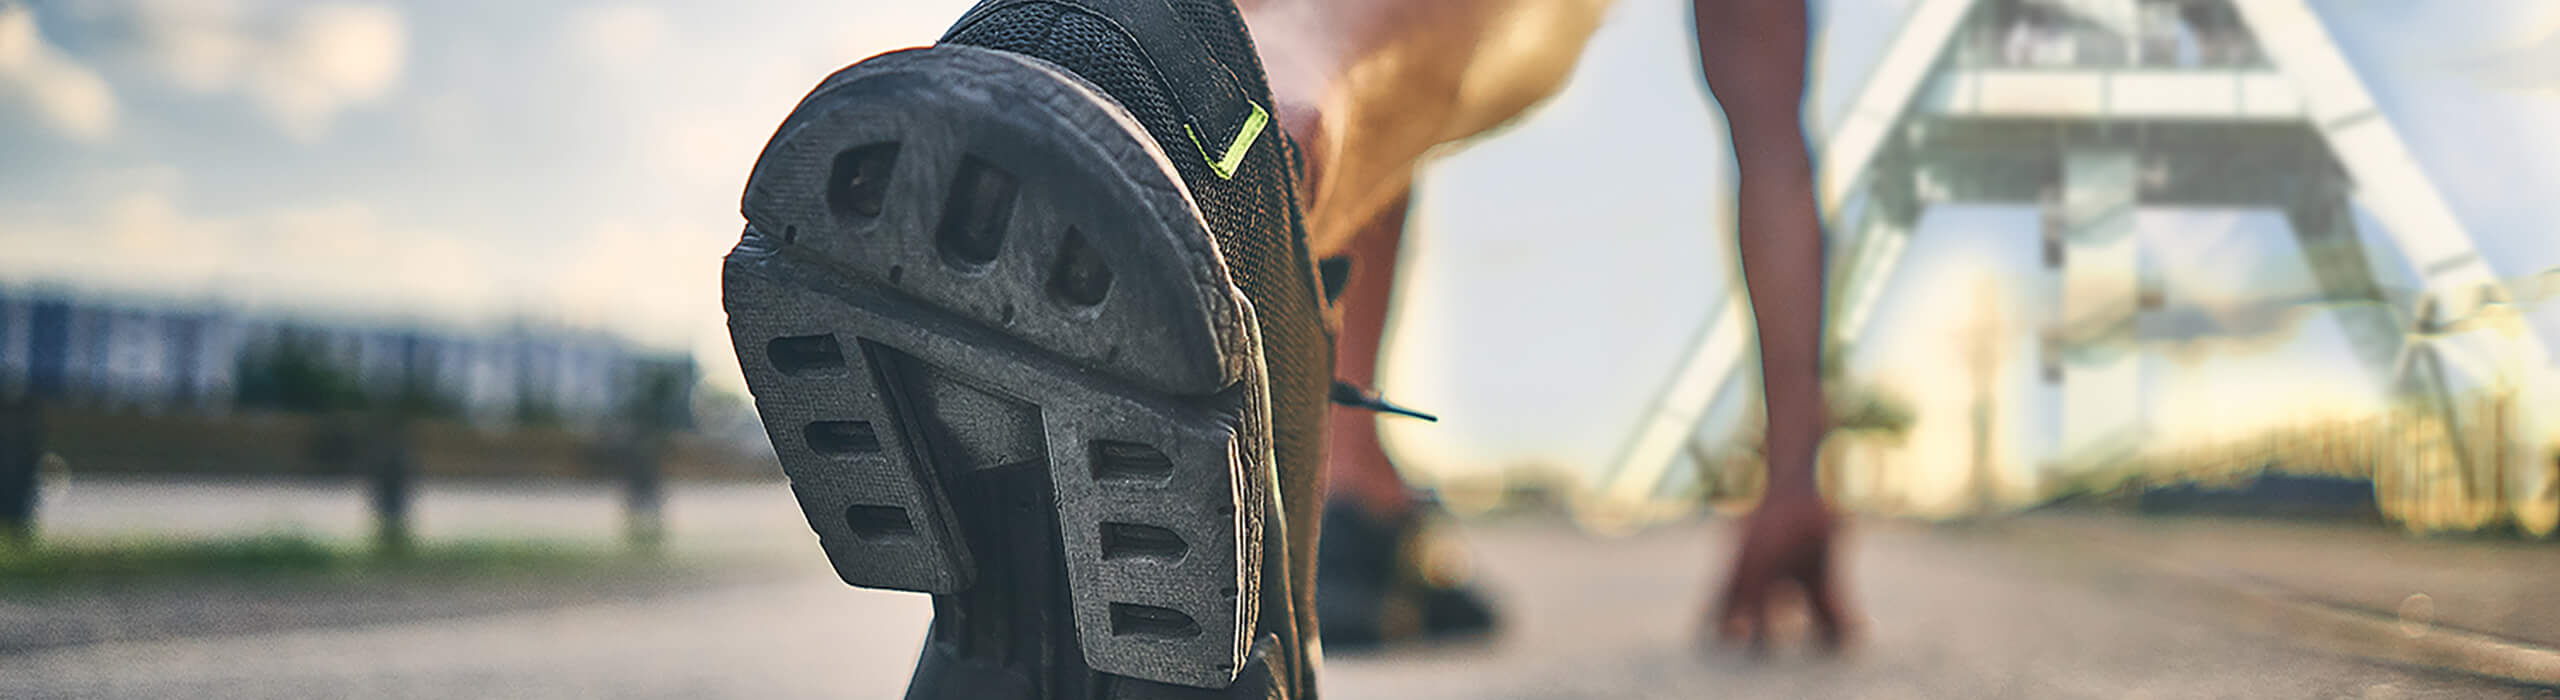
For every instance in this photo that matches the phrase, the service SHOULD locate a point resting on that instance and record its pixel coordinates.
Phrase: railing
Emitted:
(2030, 44)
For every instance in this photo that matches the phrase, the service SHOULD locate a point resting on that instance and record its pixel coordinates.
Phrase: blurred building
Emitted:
(2091, 112)
(167, 358)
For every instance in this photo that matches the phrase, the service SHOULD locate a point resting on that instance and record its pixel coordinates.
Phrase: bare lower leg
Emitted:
(1356, 463)
(1369, 87)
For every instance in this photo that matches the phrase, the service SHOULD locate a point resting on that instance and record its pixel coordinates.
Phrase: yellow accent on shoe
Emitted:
(1225, 165)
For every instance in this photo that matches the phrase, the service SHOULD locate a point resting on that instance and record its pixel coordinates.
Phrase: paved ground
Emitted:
(2494, 585)
(1991, 611)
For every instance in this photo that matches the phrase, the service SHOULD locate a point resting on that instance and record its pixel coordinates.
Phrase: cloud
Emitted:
(656, 280)
(345, 250)
(64, 94)
(617, 37)
(333, 57)
(197, 45)
(137, 236)
(2532, 67)
(2207, 331)
(301, 66)
(334, 255)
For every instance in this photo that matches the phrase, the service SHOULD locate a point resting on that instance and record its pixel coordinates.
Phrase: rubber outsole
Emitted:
(996, 350)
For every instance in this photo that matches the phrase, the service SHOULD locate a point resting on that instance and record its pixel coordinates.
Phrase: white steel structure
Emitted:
(2091, 109)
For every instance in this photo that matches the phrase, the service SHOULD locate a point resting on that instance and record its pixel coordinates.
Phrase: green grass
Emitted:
(82, 560)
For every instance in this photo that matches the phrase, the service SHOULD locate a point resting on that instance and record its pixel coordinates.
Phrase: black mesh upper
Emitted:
(1254, 217)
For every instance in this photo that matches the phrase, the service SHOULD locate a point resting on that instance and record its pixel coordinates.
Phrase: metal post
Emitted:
(660, 405)
(21, 450)
(385, 455)
(644, 491)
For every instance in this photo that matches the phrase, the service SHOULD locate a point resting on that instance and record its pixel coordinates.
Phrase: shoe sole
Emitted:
(995, 348)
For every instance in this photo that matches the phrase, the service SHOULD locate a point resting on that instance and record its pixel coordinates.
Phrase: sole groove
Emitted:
(1134, 620)
(1134, 541)
(878, 521)
(1129, 463)
(978, 214)
(805, 354)
(1080, 279)
(838, 438)
(858, 181)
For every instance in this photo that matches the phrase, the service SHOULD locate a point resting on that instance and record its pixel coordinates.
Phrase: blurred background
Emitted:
(2181, 348)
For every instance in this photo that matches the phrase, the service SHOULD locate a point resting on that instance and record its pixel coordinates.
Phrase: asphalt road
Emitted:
(1959, 612)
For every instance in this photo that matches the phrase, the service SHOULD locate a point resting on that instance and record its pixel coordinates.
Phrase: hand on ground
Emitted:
(1786, 555)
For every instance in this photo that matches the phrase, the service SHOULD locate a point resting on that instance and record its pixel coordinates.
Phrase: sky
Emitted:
(474, 161)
